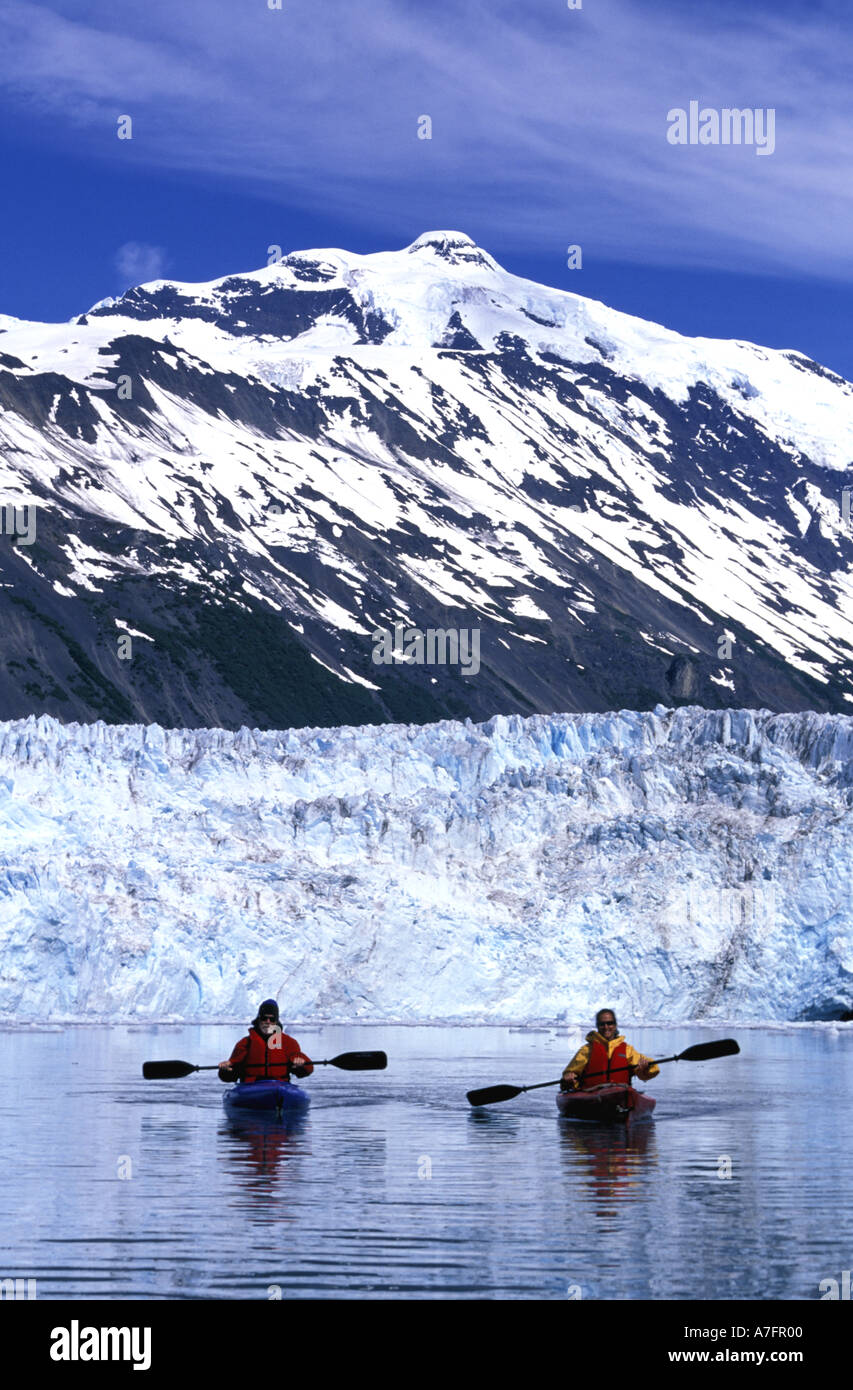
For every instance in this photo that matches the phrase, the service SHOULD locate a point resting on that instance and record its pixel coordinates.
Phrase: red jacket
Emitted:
(258, 1058)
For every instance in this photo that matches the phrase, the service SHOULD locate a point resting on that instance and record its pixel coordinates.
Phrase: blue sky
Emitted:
(298, 127)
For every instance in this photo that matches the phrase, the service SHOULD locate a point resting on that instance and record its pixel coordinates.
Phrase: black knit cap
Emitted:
(269, 1006)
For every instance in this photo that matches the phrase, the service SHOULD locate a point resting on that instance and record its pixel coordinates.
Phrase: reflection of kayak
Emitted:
(606, 1105)
(277, 1096)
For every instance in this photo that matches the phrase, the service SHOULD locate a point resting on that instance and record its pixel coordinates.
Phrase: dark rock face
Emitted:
(245, 309)
(454, 248)
(682, 680)
(457, 336)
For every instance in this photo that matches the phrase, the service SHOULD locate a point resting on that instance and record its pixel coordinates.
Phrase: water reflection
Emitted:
(393, 1186)
(615, 1160)
(259, 1144)
(494, 1120)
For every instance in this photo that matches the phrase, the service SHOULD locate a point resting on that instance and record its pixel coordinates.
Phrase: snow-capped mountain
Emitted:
(674, 864)
(249, 478)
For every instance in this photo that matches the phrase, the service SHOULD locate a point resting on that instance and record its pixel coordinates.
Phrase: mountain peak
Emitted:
(453, 247)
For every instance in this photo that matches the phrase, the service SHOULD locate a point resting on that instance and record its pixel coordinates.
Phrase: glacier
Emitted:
(674, 864)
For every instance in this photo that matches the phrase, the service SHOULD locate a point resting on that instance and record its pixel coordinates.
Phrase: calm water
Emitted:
(519, 1204)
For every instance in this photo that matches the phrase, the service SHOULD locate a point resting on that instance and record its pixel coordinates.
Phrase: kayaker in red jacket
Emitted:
(606, 1054)
(267, 1053)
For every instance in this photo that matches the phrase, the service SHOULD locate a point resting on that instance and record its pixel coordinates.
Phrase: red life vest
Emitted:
(613, 1070)
(260, 1057)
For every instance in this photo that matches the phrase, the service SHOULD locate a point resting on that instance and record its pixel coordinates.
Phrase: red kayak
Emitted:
(606, 1105)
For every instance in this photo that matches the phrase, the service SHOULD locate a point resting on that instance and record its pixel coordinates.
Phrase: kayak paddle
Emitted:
(347, 1061)
(700, 1052)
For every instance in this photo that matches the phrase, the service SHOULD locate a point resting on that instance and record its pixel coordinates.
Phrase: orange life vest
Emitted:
(261, 1057)
(612, 1070)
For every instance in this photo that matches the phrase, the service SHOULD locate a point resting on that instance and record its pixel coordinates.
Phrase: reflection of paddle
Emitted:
(700, 1052)
(347, 1061)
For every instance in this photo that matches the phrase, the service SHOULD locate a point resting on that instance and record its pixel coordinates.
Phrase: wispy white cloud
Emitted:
(137, 263)
(549, 124)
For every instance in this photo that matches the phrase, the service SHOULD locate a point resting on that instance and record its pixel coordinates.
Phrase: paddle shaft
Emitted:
(700, 1052)
(347, 1061)
(272, 1065)
(588, 1075)
(277, 1066)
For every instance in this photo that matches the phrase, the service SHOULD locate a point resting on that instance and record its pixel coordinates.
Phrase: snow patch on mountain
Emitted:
(417, 291)
(336, 442)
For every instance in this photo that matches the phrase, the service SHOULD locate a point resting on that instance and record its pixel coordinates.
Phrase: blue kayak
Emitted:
(277, 1096)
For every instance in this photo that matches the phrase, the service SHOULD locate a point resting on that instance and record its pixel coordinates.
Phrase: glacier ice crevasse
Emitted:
(675, 864)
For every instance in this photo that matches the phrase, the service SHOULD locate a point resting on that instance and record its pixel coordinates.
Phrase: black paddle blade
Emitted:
(490, 1095)
(704, 1052)
(166, 1071)
(360, 1061)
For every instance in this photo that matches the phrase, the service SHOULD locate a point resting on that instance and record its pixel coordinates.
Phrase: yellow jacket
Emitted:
(581, 1057)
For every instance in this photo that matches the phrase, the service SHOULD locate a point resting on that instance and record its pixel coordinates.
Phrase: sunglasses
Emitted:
(267, 1018)
(608, 1023)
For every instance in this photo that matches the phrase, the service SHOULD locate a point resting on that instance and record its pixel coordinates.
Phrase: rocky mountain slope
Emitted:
(237, 484)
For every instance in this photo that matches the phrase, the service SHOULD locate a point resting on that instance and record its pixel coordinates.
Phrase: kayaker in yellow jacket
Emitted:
(609, 1056)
